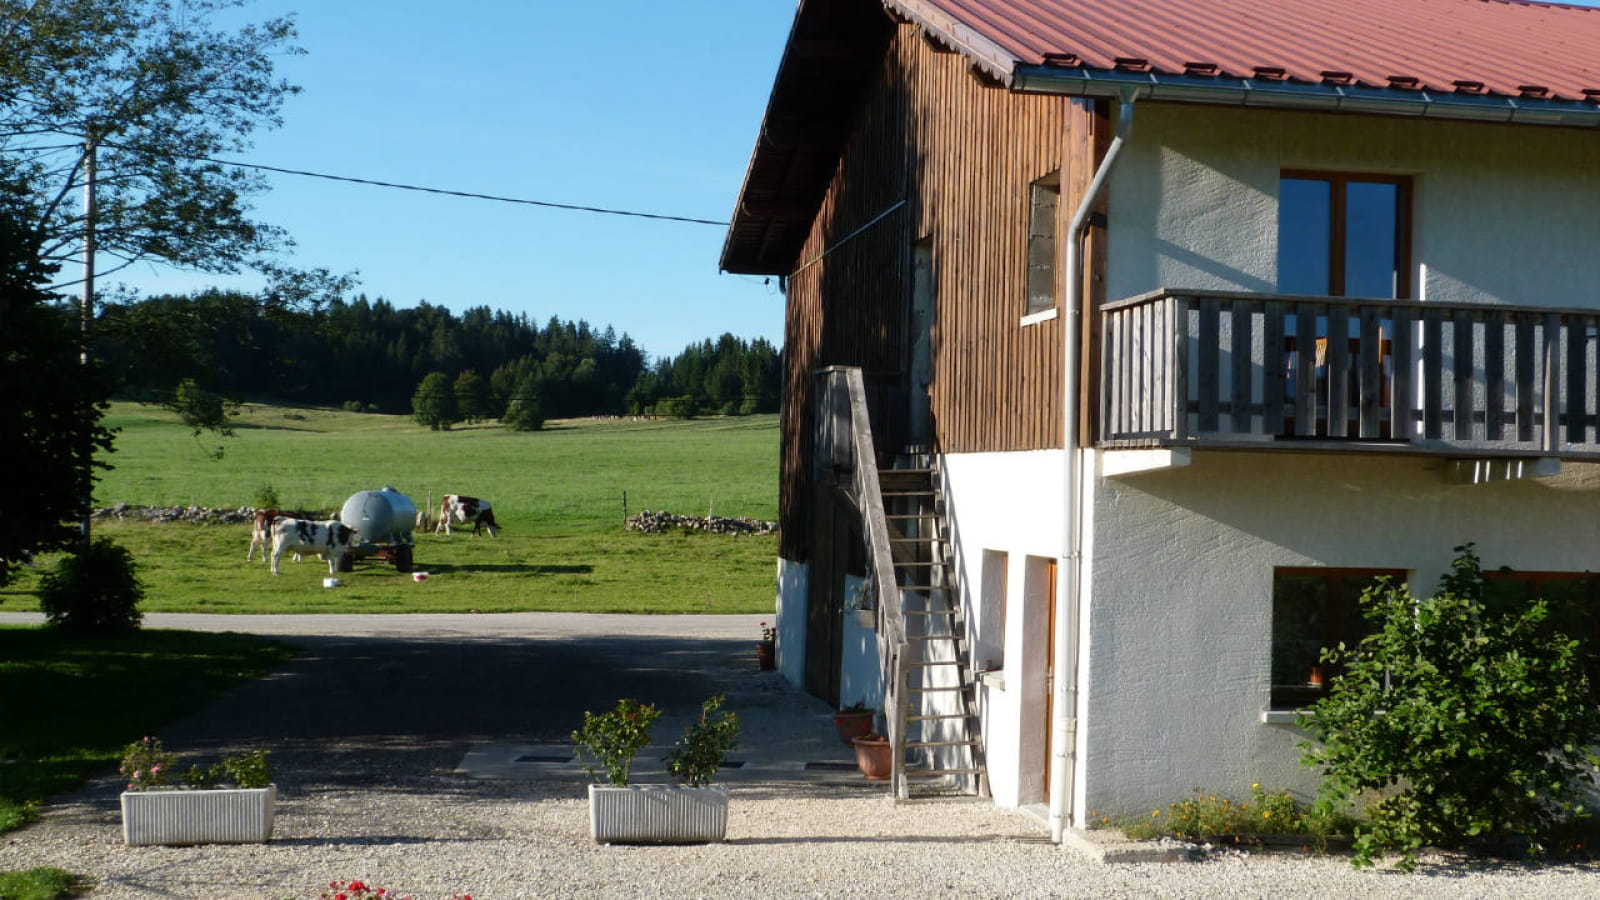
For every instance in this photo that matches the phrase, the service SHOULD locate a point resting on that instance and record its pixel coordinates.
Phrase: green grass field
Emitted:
(116, 689)
(559, 495)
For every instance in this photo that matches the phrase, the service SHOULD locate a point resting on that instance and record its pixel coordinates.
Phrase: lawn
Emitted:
(559, 495)
(117, 690)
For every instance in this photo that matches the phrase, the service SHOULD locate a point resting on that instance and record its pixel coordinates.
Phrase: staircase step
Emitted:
(941, 717)
(935, 662)
(941, 743)
(929, 638)
(935, 773)
(937, 690)
(925, 612)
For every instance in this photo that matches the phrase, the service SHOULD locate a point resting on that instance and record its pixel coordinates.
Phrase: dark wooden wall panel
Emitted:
(960, 153)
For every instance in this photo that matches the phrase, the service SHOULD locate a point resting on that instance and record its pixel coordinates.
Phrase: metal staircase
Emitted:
(938, 711)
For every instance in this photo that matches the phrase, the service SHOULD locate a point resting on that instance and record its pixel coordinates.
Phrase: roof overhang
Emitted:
(836, 45)
(1258, 93)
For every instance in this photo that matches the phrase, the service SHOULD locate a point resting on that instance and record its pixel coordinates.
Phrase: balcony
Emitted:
(1214, 369)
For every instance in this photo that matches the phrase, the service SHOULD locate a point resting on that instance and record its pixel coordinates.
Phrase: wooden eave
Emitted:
(833, 50)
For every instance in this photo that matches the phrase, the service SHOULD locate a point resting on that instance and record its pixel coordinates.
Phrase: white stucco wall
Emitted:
(1009, 503)
(1179, 564)
(1178, 674)
(793, 583)
(1500, 213)
(860, 674)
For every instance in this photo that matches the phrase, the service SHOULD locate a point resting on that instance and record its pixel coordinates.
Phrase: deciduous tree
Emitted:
(163, 90)
(50, 409)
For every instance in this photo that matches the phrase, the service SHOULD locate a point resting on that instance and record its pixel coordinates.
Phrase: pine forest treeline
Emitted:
(368, 355)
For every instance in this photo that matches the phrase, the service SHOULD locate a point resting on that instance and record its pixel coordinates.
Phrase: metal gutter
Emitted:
(1254, 92)
(1068, 637)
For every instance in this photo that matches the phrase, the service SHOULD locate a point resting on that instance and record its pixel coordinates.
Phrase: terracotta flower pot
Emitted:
(766, 655)
(873, 757)
(852, 724)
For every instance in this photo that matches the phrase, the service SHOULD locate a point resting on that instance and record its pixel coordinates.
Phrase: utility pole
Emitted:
(87, 306)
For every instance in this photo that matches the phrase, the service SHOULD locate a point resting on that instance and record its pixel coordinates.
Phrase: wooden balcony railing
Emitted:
(1209, 368)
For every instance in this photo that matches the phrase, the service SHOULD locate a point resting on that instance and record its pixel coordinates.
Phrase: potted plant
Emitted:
(873, 756)
(767, 647)
(860, 605)
(230, 802)
(854, 720)
(690, 812)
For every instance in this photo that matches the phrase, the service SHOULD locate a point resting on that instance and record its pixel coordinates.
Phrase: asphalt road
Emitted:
(412, 694)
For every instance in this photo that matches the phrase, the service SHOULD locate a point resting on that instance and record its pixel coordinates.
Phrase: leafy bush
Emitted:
(1213, 818)
(148, 766)
(698, 754)
(267, 497)
(94, 591)
(613, 739)
(1469, 722)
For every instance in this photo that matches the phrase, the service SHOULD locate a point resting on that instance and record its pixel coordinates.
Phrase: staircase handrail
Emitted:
(891, 627)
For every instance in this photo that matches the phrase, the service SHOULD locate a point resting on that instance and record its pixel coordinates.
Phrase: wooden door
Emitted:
(830, 553)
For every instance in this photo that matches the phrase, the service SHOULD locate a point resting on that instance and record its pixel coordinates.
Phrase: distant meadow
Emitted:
(559, 494)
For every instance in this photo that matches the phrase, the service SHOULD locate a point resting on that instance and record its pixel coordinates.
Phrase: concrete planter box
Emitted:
(238, 816)
(657, 813)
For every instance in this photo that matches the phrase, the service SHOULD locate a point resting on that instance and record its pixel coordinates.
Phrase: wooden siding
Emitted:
(936, 153)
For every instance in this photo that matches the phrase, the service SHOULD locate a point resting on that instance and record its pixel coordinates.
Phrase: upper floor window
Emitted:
(1344, 235)
(1044, 202)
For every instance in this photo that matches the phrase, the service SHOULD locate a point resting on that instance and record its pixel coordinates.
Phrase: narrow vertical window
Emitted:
(1044, 201)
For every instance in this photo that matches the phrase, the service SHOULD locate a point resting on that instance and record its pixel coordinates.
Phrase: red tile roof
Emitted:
(1490, 60)
(1468, 46)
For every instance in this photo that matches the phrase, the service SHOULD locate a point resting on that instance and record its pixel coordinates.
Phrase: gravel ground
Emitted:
(414, 814)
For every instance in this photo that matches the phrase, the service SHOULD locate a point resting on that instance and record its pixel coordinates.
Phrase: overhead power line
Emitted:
(447, 192)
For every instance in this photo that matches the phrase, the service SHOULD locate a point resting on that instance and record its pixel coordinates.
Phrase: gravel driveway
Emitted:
(397, 741)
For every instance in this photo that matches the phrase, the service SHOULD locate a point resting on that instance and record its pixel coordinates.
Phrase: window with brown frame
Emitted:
(1313, 609)
(1573, 599)
(1342, 234)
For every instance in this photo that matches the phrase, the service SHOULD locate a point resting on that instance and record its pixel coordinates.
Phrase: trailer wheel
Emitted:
(347, 563)
(402, 559)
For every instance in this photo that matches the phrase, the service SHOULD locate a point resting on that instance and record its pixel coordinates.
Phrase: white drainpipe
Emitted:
(1067, 632)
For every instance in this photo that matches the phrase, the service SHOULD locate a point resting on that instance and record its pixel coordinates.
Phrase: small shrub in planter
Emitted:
(232, 801)
(613, 739)
(695, 811)
(708, 740)
(94, 591)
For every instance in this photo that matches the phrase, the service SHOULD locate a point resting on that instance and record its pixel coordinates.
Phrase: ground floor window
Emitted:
(1315, 608)
(1573, 599)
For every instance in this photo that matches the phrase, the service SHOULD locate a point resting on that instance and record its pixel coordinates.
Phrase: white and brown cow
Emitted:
(465, 511)
(261, 532)
(331, 540)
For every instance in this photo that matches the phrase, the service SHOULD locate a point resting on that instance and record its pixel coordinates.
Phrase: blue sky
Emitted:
(645, 106)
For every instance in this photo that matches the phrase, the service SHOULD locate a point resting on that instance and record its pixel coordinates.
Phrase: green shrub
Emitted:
(615, 738)
(93, 591)
(267, 497)
(1465, 723)
(698, 754)
(1211, 817)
